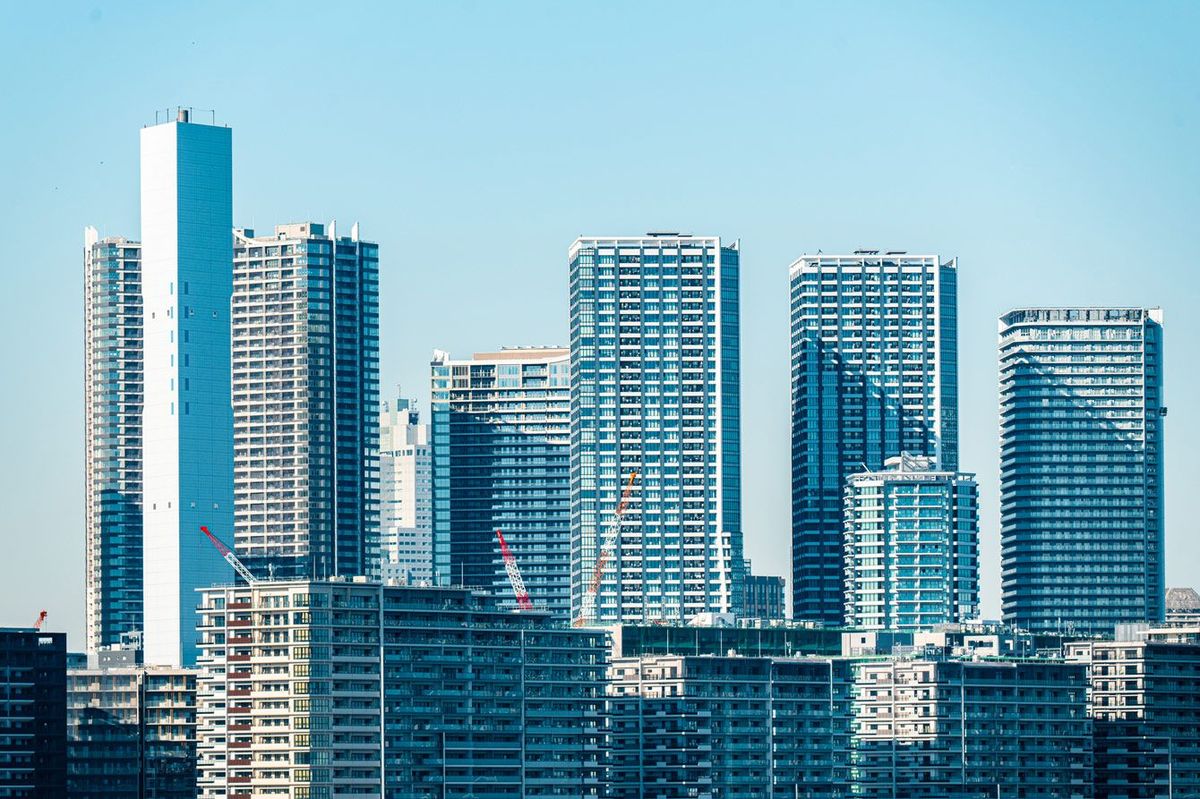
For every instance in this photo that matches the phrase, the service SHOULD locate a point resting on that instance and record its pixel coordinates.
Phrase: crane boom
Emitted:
(514, 574)
(609, 544)
(230, 558)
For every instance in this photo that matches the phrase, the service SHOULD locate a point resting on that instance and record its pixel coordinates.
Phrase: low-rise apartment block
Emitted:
(131, 731)
(312, 690)
(1145, 705)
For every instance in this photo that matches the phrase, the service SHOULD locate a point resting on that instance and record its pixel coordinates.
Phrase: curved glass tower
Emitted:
(501, 427)
(1081, 467)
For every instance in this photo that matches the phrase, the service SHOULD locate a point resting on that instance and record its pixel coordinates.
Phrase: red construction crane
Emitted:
(588, 611)
(230, 558)
(37, 625)
(514, 574)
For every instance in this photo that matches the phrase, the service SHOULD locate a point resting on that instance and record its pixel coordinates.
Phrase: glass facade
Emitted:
(112, 437)
(911, 547)
(764, 596)
(655, 390)
(500, 461)
(306, 401)
(1081, 468)
(187, 418)
(874, 373)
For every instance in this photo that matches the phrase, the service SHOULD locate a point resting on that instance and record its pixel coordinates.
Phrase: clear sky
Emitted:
(1053, 148)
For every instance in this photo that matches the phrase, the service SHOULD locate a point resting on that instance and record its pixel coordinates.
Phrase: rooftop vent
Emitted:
(184, 115)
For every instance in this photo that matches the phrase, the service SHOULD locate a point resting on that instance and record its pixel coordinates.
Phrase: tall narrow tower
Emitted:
(306, 401)
(113, 437)
(405, 494)
(655, 390)
(187, 419)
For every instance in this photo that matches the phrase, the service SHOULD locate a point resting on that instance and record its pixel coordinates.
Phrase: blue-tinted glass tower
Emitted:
(113, 437)
(874, 374)
(655, 390)
(500, 461)
(1081, 468)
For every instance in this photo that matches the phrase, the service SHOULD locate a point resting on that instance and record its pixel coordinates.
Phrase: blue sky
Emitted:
(1051, 147)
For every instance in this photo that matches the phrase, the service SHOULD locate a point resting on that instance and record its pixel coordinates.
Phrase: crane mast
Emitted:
(514, 574)
(230, 558)
(611, 536)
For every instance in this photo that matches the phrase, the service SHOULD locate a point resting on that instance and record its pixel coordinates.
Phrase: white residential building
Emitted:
(112, 301)
(405, 494)
(305, 398)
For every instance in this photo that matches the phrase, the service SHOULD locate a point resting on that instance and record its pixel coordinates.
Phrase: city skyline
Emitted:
(1096, 273)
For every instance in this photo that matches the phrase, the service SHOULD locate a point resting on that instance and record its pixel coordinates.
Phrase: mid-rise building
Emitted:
(1081, 468)
(874, 373)
(33, 714)
(1145, 703)
(911, 547)
(405, 494)
(306, 401)
(501, 448)
(743, 712)
(359, 689)
(764, 596)
(131, 731)
(112, 369)
(187, 418)
(729, 727)
(655, 381)
(951, 728)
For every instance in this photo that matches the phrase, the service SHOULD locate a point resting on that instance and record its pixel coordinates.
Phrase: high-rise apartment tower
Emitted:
(1081, 468)
(500, 462)
(112, 303)
(911, 547)
(405, 494)
(306, 401)
(655, 370)
(874, 374)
